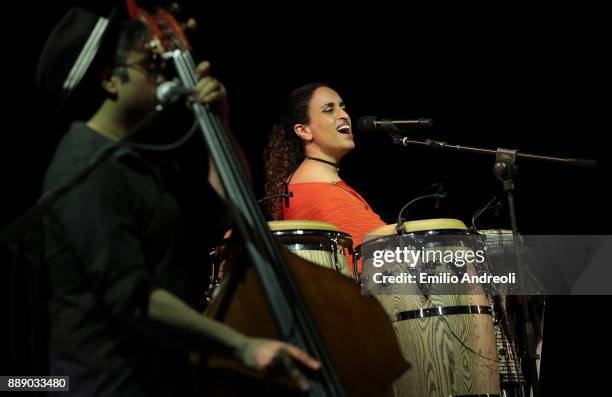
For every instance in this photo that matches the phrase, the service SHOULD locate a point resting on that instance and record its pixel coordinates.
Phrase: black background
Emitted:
(525, 78)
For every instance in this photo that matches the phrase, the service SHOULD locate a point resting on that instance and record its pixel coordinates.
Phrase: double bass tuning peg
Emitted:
(176, 10)
(190, 25)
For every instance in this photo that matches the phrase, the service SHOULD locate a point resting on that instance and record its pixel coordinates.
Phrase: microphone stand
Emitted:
(505, 170)
(471, 149)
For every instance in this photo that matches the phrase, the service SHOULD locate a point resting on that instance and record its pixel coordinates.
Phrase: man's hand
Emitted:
(273, 357)
(211, 90)
(277, 357)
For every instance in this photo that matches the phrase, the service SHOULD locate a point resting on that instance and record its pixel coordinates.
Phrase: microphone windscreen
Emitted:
(366, 123)
(170, 91)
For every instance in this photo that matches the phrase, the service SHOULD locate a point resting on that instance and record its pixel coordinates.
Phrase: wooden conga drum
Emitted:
(446, 335)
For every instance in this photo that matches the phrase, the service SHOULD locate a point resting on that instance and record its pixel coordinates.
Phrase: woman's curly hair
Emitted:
(285, 149)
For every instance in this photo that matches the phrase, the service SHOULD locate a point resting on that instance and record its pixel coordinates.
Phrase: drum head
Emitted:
(442, 226)
(302, 225)
(295, 225)
(420, 226)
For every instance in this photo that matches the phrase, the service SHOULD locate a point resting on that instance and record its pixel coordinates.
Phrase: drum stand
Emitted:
(505, 170)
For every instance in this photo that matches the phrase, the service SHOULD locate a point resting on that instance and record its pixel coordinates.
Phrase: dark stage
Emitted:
(521, 78)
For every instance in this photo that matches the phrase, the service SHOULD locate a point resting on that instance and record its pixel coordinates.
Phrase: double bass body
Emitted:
(355, 329)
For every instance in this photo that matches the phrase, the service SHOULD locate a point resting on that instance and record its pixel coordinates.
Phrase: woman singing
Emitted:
(302, 157)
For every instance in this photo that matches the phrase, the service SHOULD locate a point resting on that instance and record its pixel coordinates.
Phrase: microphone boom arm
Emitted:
(440, 145)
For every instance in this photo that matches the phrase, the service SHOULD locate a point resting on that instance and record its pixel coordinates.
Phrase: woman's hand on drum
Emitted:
(276, 358)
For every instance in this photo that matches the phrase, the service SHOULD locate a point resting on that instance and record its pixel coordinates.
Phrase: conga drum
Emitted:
(447, 333)
(318, 242)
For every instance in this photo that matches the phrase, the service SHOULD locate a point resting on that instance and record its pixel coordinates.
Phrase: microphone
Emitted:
(498, 206)
(287, 195)
(440, 195)
(370, 123)
(169, 92)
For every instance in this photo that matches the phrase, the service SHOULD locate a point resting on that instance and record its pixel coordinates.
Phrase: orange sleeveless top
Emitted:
(333, 202)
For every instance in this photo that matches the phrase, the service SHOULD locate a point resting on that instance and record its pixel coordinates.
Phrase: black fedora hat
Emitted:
(78, 45)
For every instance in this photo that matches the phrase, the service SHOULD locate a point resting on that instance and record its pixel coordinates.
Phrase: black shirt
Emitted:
(108, 243)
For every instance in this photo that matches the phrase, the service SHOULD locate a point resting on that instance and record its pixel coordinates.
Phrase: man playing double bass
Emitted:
(121, 276)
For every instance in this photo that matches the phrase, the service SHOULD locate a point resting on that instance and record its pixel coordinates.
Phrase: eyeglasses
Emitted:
(154, 67)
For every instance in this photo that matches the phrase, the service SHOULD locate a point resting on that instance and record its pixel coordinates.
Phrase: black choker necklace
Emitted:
(335, 165)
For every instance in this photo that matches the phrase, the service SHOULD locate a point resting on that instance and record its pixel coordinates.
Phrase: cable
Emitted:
(170, 146)
(280, 195)
(400, 220)
(444, 320)
(480, 211)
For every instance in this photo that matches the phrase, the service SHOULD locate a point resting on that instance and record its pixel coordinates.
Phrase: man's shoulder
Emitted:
(80, 147)
(72, 154)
